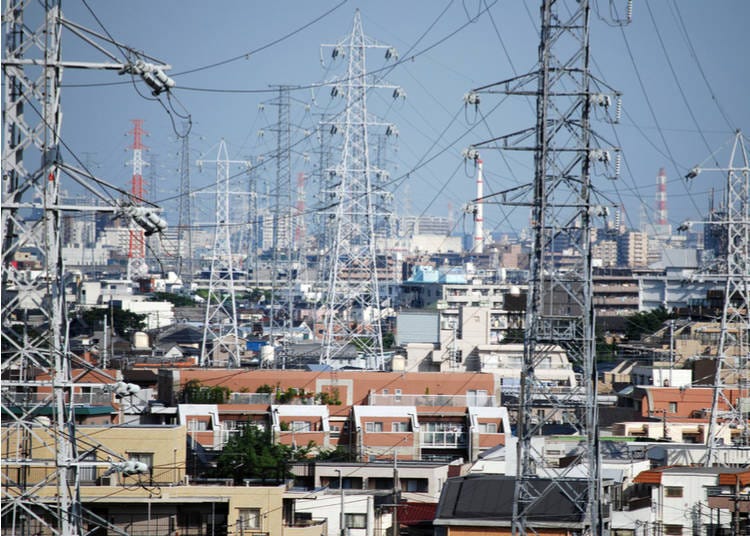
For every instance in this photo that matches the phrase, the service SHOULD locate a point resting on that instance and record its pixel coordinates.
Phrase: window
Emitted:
(397, 393)
(248, 518)
(400, 427)
(335, 430)
(673, 529)
(355, 521)
(143, 457)
(476, 397)
(673, 407)
(487, 428)
(301, 426)
(194, 425)
(414, 485)
(385, 391)
(672, 491)
(373, 427)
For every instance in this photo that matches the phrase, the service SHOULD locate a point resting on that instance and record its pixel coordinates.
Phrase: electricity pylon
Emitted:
(36, 361)
(220, 333)
(559, 310)
(732, 269)
(352, 303)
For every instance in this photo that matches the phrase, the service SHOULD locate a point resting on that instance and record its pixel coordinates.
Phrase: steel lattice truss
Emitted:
(731, 379)
(351, 205)
(559, 309)
(31, 133)
(220, 334)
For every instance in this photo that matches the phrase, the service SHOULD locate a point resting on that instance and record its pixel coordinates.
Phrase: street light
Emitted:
(342, 528)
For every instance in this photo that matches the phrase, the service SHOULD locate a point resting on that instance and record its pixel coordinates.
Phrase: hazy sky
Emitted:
(681, 64)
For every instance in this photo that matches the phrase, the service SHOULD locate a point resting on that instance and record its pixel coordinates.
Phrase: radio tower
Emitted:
(559, 310)
(220, 333)
(731, 380)
(137, 267)
(352, 301)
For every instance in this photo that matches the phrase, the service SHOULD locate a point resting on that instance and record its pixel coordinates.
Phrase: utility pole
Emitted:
(559, 309)
(220, 333)
(352, 307)
(396, 495)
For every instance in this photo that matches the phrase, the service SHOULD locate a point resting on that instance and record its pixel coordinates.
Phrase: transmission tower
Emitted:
(283, 236)
(137, 266)
(220, 333)
(559, 311)
(36, 361)
(352, 302)
(731, 269)
(185, 218)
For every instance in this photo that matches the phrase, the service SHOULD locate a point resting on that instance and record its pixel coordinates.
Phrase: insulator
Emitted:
(338, 51)
(334, 129)
(399, 93)
(391, 130)
(471, 98)
(261, 107)
(618, 109)
(335, 91)
(470, 153)
(618, 162)
(261, 133)
(162, 77)
(391, 52)
(630, 11)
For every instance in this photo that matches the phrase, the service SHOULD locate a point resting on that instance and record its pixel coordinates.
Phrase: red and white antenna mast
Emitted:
(137, 244)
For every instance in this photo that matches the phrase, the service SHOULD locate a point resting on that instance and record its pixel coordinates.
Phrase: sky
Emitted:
(681, 66)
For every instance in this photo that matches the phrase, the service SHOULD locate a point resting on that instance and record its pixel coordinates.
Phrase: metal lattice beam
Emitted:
(559, 312)
(220, 333)
(352, 209)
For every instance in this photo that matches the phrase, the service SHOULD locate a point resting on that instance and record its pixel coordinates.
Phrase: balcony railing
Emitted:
(94, 398)
(452, 401)
(443, 439)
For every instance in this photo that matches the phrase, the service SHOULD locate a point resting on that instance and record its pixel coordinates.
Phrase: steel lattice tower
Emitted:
(31, 131)
(36, 361)
(559, 311)
(731, 383)
(352, 301)
(220, 333)
(185, 218)
(137, 240)
(283, 236)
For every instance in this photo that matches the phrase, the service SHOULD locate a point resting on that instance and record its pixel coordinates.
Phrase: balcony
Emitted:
(443, 439)
(452, 401)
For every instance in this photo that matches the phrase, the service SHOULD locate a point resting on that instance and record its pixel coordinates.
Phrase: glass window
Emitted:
(673, 491)
(373, 427)
(400, 427)
(249, 518)
(301, 426)
(673, 407)
(673, 529)
(487, 428)
(356, 521)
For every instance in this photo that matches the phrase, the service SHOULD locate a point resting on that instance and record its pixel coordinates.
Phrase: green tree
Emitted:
(178, 300)
(645, 322)
(123, 322)
(253, 454)
(196, 393)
